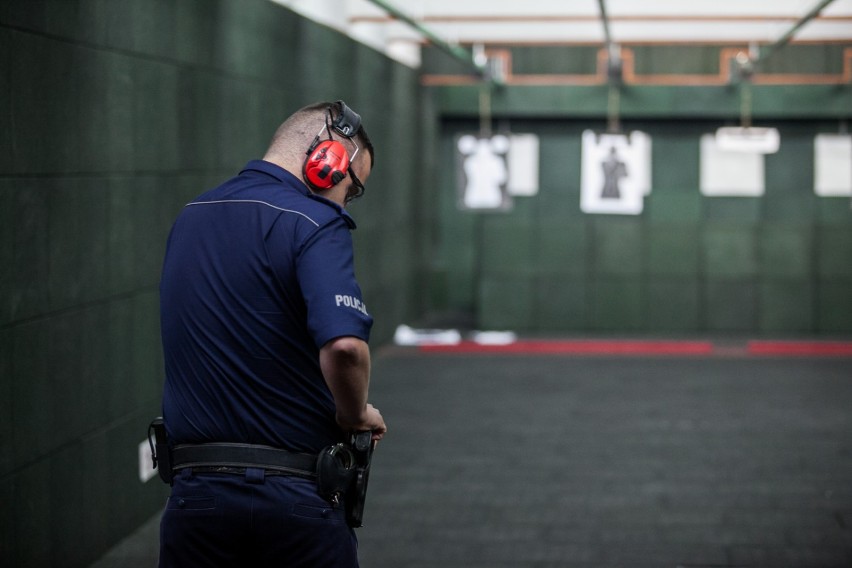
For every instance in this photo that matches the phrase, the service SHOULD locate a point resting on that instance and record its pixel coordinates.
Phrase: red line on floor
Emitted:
(800, 348)
(580, 347)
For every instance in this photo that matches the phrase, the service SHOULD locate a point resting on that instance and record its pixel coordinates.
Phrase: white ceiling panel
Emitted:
(567, 22)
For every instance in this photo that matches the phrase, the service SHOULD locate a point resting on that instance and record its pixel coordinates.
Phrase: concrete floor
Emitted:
(503, 461)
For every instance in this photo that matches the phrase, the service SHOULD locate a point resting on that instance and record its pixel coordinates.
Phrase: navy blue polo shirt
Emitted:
(258, 276)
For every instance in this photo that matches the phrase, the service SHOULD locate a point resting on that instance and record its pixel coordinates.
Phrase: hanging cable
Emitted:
(613, 73)
(485, 110)
(612, 109)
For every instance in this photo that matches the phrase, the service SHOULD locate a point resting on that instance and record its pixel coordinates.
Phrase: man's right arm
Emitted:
(345, 363)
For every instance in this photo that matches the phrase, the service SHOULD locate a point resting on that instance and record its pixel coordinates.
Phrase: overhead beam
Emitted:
(458, 53)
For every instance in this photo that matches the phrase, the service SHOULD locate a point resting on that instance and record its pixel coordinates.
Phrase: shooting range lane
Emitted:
(521, 460)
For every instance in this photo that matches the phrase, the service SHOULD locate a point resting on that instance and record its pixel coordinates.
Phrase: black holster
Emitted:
(343, 471)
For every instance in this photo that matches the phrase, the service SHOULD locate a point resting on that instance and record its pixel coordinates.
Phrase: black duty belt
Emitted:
(341, 471)
(236, 458)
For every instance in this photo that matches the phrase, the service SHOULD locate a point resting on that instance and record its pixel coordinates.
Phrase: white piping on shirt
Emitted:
(254, 201)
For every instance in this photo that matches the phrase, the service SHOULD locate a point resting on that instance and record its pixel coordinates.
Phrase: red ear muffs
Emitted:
(326, 164)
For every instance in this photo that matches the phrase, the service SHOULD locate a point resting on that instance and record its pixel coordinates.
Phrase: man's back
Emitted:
(241, 357)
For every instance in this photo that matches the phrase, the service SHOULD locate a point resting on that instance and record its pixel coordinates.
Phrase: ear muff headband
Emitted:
(347, 122)
(326, 164)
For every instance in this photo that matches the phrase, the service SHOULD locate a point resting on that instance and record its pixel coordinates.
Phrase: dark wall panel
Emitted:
(113, 115)
(673, 304)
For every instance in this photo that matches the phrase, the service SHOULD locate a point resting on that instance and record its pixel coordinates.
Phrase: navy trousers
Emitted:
(226, 520)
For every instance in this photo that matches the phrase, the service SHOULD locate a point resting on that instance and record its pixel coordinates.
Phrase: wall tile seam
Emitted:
(89, 44)
(140, 413)
(117, 174)
(46, 316)
(179, 64)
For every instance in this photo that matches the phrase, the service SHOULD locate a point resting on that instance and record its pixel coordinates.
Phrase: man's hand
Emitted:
(371, 419)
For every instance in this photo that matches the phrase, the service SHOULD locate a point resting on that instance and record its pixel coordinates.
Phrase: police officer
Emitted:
(265, 336)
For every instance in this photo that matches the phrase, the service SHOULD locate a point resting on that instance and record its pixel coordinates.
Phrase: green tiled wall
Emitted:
(786, 305)
(561, 302)
(505, 301)
(112, 116)
(728, 251)
(616, 246)
(730, 305)
(673, 304)
(616, 303)
(673, 250)
(778, 264)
